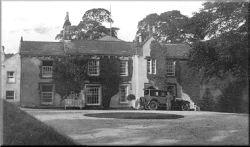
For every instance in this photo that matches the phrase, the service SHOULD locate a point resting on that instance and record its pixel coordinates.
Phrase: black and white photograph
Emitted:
(124, 73)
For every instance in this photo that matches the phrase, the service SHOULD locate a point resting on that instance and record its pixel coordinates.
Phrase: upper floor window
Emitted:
(10, 95)
(170, 66)
(47, 69)
(11, 77)
(123, 67)
(151, 66)
(93, 67)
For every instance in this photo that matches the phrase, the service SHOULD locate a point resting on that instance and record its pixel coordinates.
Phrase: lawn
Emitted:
(20, 128)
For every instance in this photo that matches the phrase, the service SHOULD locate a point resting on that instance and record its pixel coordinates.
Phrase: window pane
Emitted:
(47, 88)
(153, 66)
(92, 94)
(93, 67)
(123, 93)
(170, 67)
(123, 67)
(149, 65)
(10, 95)
(10, 74)
(47, 63)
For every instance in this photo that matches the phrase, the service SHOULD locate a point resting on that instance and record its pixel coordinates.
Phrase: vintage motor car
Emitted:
(154, 99)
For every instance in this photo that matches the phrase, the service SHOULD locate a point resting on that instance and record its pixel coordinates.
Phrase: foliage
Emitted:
(69, 74)
(169, 27)
(226, 51)
(131, 97)
(109, 78)
(217, 18)
(91, 27)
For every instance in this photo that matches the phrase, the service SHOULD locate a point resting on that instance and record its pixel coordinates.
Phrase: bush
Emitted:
(131, 97)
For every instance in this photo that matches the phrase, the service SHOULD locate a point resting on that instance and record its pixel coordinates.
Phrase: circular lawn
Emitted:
(134, 115)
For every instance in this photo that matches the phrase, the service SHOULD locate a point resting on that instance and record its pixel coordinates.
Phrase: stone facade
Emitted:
(10, 78)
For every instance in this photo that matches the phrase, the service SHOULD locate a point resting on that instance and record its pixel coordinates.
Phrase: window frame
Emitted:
(52, 93)
(126, 68)
(127, 93)
(14, 95)
(97, 66)
(8, 78)
(170, 69)
(151, 66)
(49, 68)
(99, 94)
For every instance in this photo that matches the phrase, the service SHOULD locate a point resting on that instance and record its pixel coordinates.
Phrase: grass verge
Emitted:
(20, 128)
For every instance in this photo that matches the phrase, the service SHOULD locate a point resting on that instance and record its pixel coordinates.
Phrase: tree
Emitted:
(217, 18)
(92, 26)
(225, 52)
(169, 27)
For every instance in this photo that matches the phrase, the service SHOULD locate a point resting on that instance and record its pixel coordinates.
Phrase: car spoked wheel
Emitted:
(185, 107)
(153, 105)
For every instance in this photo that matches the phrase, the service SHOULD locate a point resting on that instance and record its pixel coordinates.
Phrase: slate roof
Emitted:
(177, 50)
(100, 47)
(76, 47)
(109, 38)
(7, 56)
(41, 48)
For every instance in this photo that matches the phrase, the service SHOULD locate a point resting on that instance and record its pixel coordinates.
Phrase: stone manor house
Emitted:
(28, 76)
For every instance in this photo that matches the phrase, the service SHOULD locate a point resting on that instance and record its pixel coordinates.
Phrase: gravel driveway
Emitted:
(195, 128)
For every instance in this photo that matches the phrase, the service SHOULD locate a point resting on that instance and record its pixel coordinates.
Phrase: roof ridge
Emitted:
(44, 41)
(103, 41)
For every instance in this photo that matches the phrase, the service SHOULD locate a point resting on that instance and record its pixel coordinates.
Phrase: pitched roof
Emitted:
(41, 48)
(109, 38)
(7, 56)
(100, 47)
(75, 47)
(177, 50)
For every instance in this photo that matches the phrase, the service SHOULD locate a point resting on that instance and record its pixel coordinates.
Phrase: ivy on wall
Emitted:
(70, 74)
(159, 53)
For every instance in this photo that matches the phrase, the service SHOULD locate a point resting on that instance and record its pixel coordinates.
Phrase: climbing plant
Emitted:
(70, 74)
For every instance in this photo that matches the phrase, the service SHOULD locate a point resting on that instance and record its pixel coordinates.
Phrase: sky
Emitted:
(42, 20)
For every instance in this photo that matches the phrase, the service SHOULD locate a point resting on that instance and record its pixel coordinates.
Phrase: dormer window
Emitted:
(151, 66)
(47, 68)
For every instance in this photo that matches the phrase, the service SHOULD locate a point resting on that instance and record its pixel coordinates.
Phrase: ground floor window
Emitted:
(123, 90)
(93, 94)
(47, 94)
(10, 95)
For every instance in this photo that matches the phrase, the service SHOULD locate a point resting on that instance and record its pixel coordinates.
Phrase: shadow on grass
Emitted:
(20, 128)
(134, 115)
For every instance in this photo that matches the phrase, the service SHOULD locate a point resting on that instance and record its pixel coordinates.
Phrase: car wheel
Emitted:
(184, 107)
(153, 105)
